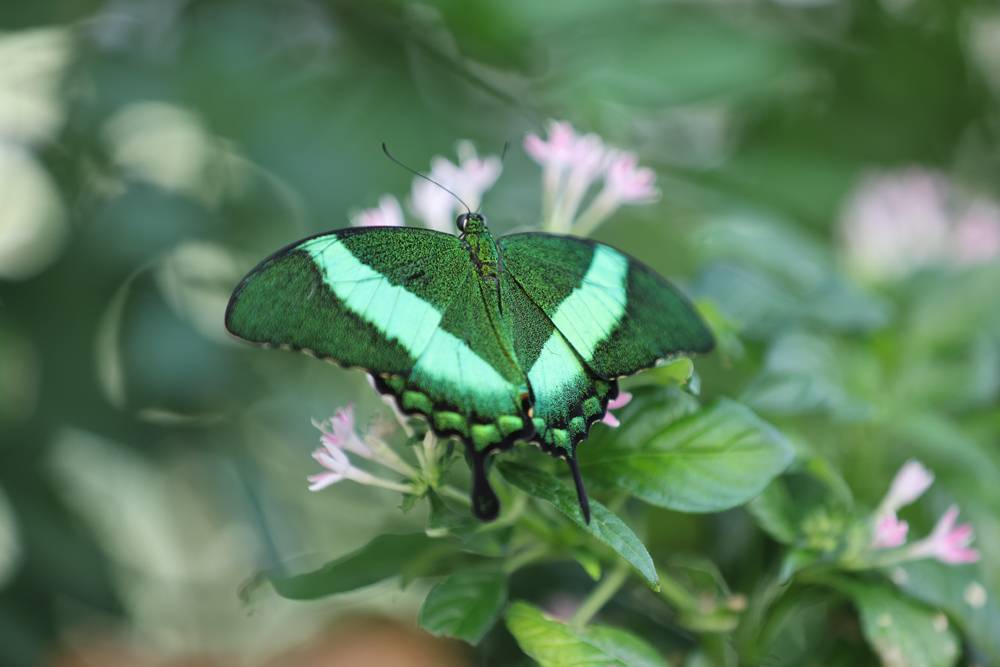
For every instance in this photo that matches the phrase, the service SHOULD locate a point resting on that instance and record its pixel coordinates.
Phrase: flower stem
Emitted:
(600, 595)
(598, 211)
(454, 494)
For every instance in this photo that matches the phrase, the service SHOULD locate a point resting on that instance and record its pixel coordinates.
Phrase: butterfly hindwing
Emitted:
(567, 397)
(619, 315)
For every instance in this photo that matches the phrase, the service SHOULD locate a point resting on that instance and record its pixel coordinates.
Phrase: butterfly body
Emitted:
(491, 341)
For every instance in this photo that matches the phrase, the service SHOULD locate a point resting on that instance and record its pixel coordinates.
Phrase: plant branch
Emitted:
(600, 595)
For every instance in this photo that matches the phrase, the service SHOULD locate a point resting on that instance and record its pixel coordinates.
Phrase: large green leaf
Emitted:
(553, 643)
(901, 630)
(961, 592)
(718, 458)
(385, 556)
(604, 525)
(465, 605)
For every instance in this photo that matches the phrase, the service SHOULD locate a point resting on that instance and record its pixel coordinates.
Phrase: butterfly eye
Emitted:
(461, 221)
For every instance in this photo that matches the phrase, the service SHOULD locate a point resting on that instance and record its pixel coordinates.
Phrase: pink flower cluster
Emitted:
(898, 222)
(947, 543)
(339, 438)
(572, 164)
(577, 169)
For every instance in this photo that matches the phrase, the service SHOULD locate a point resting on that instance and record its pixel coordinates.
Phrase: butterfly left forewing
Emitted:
(359, 297)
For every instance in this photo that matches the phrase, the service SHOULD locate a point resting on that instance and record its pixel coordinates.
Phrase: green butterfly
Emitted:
(492, 341)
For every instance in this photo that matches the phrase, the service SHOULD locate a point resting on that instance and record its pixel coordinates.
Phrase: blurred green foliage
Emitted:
(152, 151)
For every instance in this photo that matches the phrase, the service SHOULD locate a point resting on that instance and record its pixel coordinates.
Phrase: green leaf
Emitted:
(715, 459)
(676, 372)
(465, 605)
(552, 643)
(961, 592)
(902, 631)
(385, 556)
(604, 525)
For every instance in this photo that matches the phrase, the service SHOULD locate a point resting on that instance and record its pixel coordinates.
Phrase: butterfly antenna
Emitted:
(503, 154)
(385, 149)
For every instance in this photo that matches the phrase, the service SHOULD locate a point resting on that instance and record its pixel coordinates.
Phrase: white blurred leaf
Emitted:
(33, 64)
(32, 221)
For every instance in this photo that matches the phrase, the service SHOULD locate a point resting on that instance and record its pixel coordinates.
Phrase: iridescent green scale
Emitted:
(493, 342)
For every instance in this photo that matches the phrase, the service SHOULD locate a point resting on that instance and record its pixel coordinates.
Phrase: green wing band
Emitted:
(619, 315)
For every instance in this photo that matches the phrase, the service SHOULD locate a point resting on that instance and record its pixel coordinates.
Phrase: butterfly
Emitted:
(492, 341)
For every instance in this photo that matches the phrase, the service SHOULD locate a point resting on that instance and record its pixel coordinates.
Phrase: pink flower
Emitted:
(338, 433)
(628, 182)
(912, 480)
(977, 234)
(909, 483)
(558, 150)
(947, 542)
(337, 437)
(470, 179)
(337, 464)
(890, 532)
(573, 163)
(386, 214)
(898, 222)
(616, 403)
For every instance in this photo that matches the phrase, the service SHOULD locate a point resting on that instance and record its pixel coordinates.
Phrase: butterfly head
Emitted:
(471, 223)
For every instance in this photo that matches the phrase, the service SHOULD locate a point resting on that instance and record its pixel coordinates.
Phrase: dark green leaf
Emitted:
(713, 460)
(902, 631)
(465, 605)
(385, 556)
(553, 643)
(604, 525)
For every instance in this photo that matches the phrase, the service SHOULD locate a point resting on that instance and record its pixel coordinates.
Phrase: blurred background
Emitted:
(829, 171)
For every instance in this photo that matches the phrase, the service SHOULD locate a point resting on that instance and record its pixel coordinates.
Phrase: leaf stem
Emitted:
(600, 596)
(529, 555)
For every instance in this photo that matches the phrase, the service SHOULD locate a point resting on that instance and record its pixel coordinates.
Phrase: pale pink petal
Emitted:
(339, 432)
(557, 150)
(977, 234)
(890, 532)
(387, 214)
(620, 401)
(470, 179)
(912, 480)
(629, 183)
(322, 480)
(948, 543)
(332, 458)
